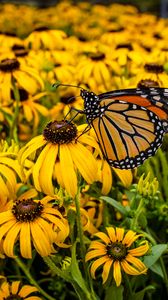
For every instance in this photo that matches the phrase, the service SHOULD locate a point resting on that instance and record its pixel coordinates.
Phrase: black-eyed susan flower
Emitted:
(115, 252)
(25, 77)
(15, 290)
(10, 169)
(44, 38)
(61, 154)
(153, 71)
(32, 223)
(30, 107)
(67, 100)
(95, 70)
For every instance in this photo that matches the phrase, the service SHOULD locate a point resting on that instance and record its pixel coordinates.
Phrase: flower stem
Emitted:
(80, 232)
(138, 212)
(13, 129)
(31, 279)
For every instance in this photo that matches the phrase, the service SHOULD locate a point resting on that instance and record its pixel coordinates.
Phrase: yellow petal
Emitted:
(117, 272)
(97, 263)
(26, 290)
(95, 253)
(15, 287)
(139, 251)
(119, 234)
(10, 239)
(26, 81)
(106, 178)
(106, 269)
(111, 233)
(130, 237)
(84, 161)
(103, 237)
(46, 171)
(125, 176)
(25, 240)
(130, 270)
(37, 166)
(136, 262)
(40, 241)
(67, 170)
(32, 146)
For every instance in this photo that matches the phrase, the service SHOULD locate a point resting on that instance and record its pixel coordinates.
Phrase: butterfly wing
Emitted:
(154, 99)
(128, 133)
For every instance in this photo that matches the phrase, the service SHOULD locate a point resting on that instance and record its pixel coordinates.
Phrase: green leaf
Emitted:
(140, 295)
(114, 292)
(115, 204)
(156, 268)
(157, 251)
(76, 273)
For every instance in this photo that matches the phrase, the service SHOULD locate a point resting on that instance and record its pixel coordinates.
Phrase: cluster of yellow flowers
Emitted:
(43, 168)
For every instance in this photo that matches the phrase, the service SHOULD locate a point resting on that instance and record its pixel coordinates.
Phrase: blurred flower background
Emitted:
(57, 191)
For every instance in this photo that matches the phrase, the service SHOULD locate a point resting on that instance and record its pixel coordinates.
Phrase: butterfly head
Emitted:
(91, 104)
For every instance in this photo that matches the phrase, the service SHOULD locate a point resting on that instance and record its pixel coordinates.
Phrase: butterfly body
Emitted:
(129, 124)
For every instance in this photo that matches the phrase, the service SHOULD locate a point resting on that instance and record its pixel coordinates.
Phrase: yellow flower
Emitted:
(95, 70)
(115, 251)
(30, 108)
(67, 100)
(15, 290)
(26, 77)
(9, 168)
(32, 222)
(45, 38)
(59, 154)
(152, 71)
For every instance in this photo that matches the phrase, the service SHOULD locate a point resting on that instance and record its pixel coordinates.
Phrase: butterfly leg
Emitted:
(87, 128)
(78, 111)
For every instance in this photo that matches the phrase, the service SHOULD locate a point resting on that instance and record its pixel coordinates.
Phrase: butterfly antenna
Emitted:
(56, 85)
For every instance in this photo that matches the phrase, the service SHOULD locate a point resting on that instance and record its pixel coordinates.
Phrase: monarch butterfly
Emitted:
(129, 124)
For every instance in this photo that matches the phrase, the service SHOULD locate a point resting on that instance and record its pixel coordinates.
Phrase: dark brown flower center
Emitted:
(9, 64)
(154, 68)
(146, 83)
(23, 94)
(68, 99)
(124, 45)
(14, 297)
(19, 50)
(96, 56)
(41, 28)
(60, 132)
(117, 251)
(27, 210)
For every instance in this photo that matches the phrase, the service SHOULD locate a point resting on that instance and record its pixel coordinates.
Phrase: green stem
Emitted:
(80, 232)
(13, 129)
(55, 270)
(24, 268)
(138, 212)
